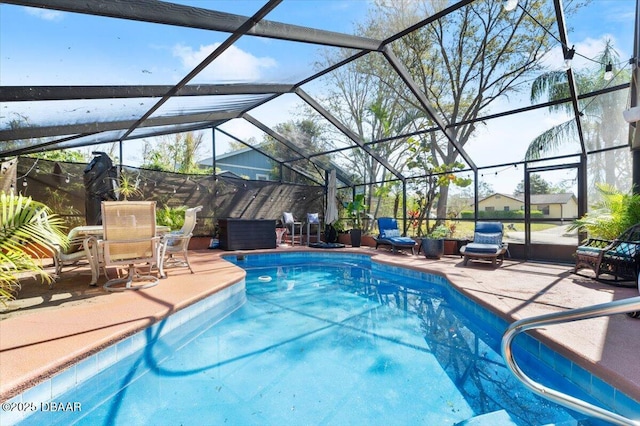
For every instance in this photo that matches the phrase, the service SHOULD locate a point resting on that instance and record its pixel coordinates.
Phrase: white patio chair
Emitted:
(130, 241)
(177, 243)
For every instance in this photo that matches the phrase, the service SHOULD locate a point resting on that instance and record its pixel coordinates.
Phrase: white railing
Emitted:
(605, 309)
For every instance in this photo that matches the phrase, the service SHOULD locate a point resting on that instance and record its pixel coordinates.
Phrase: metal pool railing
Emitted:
(604, 309)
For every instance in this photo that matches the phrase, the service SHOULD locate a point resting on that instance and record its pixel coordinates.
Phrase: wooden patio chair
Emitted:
(487, 244)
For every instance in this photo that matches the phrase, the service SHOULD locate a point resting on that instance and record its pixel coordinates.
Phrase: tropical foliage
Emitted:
(356, 210)
(26, 226)
(610, 217)
(173, 217)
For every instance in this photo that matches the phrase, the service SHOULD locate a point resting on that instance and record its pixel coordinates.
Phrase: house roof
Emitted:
(341, 175)
(562, 198)
(502, 195)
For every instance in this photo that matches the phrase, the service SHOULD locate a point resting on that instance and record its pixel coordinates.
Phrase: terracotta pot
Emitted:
(367, 240)
(199, 243)
(344, 238)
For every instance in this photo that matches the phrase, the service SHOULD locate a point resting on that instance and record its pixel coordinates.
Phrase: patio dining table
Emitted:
(93, 234)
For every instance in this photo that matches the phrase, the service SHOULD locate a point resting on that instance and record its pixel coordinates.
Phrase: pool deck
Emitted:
(45, 331)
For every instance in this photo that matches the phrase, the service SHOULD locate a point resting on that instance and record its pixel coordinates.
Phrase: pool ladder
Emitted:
(604, 309)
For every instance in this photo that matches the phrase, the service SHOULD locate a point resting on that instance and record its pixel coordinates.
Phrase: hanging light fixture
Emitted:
(608, 72)
(510, 5)
(568, 57)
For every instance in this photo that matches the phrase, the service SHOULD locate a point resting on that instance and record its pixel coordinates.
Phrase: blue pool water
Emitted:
(324, 342)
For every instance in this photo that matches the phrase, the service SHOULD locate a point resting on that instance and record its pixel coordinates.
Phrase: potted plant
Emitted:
(356, 209)
(433, 243)
(127, 187)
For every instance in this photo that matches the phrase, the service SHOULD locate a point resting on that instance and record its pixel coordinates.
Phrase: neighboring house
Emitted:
(500, 202)
(553, 206)
(253, 165)
(245, 162)
(556, 206)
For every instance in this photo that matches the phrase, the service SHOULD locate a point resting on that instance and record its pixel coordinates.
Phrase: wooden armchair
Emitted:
(487, 244)
(619, 258)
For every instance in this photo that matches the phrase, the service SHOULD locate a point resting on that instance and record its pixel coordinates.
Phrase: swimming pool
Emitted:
(361, 343)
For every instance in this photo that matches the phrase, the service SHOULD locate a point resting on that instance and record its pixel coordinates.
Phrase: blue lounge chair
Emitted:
(390, 236)
(487, 243)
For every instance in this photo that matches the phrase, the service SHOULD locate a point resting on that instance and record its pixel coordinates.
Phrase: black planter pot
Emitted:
(432, 249)
(356, 237)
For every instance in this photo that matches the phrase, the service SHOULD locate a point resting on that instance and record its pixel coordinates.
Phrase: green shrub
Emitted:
(610, 217)
(501, 214)
(173, 217)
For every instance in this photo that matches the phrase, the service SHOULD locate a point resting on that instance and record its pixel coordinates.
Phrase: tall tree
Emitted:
(537, 184)
(463, 62)
(308, 138)
(177, 153)
(370, 109)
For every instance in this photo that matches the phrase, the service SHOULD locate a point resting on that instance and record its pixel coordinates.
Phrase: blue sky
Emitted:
(85, 50)
(39, 47)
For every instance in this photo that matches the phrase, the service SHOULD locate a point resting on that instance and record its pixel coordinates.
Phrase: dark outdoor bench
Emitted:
(619, 258)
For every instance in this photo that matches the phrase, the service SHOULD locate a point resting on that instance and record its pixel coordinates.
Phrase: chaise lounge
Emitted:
(390, 235)
(487, 244)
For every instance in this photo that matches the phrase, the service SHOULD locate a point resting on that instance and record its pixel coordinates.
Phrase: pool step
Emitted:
(500, 417)
(503, 418)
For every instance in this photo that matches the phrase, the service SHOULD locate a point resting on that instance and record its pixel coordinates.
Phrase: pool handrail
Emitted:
(594, 311)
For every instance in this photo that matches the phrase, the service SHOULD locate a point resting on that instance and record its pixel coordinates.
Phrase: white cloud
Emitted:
(45, 14)
(233, 64)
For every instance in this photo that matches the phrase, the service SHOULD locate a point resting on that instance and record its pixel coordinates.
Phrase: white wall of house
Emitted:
(499, 202)
(559, 211)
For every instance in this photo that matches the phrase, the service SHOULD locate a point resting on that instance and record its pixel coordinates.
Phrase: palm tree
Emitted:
(26, 227)
(602, 121)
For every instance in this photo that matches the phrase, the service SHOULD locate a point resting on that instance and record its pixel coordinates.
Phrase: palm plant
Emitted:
(26, 227)
(128, 187)
(602, 123)
(612, 216)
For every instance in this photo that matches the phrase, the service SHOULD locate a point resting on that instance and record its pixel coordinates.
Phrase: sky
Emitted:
(41, 47)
